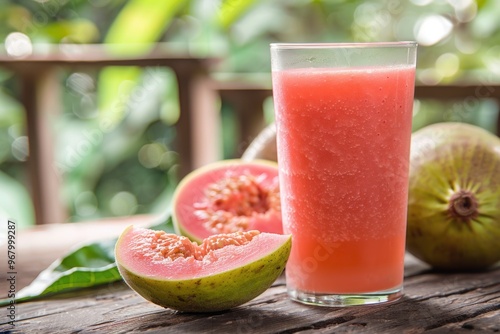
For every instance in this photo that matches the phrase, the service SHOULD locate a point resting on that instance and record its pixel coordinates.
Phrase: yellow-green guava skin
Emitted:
(218, 292)
(447, 158)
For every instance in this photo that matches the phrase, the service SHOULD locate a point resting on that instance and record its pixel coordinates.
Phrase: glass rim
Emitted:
(350, 45)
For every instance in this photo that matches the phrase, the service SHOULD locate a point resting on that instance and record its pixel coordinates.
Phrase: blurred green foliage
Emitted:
(131, 168)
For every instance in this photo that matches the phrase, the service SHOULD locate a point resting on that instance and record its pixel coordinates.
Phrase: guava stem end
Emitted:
(463, 205)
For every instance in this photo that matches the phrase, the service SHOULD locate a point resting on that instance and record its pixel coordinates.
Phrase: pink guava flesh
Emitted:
(141, 253)
(228, 196)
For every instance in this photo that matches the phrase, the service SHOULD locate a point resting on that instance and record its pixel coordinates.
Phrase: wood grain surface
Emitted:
(433, 303)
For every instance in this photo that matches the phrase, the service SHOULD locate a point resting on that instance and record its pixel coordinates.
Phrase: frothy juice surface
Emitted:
(343, 150)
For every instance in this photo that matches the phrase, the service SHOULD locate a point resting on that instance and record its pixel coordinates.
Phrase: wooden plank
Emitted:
(99, 55)
(41, 100)
(474, 90)
(452, 302)
(121, 311)
(486, 322)
(198, 128)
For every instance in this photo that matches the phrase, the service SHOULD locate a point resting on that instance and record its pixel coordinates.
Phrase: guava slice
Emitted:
(228, 196)
(225, 271)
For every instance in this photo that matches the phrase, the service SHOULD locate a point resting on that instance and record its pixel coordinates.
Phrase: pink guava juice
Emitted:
(343, 151)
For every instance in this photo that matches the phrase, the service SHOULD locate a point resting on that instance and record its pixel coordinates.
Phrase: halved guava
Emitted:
(224, 271)
(228, 196)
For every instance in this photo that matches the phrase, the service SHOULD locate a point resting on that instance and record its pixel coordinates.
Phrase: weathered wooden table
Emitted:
(434, 302)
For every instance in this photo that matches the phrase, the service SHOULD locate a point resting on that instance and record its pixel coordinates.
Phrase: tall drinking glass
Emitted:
(343, 120)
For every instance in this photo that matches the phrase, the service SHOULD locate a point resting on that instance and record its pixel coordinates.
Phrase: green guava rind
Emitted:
(446, 158)
(216, 292)
(184, 220)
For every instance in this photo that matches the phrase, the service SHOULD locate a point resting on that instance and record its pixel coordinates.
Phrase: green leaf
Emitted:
(87, 266)
(140, 22)
(115, 85)
(75, 31)
(134, 31)
(232, 10)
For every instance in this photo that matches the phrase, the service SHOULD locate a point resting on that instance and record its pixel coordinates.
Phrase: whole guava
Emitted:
(454, 197)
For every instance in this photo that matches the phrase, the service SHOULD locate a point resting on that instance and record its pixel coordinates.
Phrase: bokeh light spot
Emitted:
(447, 64)
(20, 148)
(123, 203)
(18, 45)
(432, 29)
